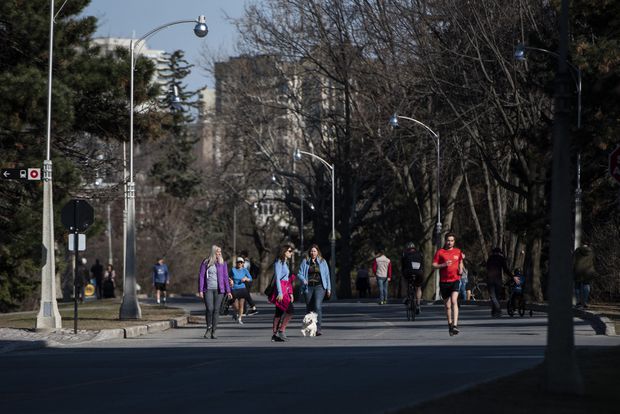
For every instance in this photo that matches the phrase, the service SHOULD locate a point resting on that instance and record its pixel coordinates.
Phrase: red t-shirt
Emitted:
(451, 272)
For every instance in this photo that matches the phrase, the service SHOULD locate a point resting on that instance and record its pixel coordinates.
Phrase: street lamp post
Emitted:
(130, 309)
(297, 156)
(48, 317)
(438, 241)
(519, 54)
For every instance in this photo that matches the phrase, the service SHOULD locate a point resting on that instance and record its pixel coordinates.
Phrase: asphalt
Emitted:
(28, 339)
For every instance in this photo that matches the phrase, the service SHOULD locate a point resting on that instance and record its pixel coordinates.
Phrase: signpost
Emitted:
(76, 216)
(614, 164)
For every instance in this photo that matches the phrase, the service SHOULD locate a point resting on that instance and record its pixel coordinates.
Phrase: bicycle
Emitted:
(479, 291)
(410, 301)
(516, 301)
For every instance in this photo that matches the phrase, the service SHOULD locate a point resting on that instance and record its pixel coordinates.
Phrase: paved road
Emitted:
(369, 360)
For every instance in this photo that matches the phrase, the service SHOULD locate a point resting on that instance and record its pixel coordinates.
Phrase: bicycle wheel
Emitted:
(510, 308)
(409, 315)
(521, 307)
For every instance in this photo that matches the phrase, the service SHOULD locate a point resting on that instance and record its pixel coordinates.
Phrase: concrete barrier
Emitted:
(158, 326)
(106, 334)
(135, 331)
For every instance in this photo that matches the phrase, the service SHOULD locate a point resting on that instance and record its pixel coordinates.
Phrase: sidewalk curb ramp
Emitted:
(602, 325)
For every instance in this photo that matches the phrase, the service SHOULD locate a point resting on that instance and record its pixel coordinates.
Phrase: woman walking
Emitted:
(240, 293)
(213, 285)
(284, 298)
(314, 274)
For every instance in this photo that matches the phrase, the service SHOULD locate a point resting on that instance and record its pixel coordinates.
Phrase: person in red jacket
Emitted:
(449, 261)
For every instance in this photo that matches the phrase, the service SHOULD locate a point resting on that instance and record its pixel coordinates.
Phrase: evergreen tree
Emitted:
(90, 99)
(174, 170)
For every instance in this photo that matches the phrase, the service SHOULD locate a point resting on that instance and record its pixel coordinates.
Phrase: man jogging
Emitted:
(161, 279)
(449, 261)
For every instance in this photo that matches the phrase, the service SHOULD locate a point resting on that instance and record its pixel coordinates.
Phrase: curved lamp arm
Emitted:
(328, 165)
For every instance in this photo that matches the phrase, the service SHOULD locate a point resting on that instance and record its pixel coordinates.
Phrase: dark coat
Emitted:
(583, 264)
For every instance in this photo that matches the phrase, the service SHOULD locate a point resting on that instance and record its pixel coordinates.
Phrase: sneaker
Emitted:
(319, 333)
(282, 336)
(239, 321)
(252, 312)
(276, 338)
(417, 310)
(450, 329)
(158, 301)
(213, 335)
(235, 316)
(455, 330)
(206, 335)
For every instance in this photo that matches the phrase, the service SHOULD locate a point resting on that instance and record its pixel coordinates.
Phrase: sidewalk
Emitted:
(97, 321)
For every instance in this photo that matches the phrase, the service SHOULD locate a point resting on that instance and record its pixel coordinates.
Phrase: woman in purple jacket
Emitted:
(213, 284)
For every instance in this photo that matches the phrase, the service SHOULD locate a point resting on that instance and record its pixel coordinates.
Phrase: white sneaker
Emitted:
(158, 302)
(239, 321)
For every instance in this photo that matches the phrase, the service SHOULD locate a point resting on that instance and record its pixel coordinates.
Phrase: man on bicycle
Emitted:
(412, 264)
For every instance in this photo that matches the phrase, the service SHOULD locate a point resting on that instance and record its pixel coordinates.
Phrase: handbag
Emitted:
(270, 287)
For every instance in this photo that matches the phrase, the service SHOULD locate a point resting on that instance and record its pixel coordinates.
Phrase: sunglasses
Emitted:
(289, 251)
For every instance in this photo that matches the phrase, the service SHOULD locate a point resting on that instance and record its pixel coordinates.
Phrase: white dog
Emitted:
(309, 324)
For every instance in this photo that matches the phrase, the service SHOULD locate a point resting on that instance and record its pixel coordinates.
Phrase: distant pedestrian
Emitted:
(584, 273)
(250, 306)
(212, 286)
(449, 261)
(161, 280)
(109, 282)
(284, 294)
(97, 272)
(82, 278)
(316, 283)
(412, 266)
(382, 268)
(464, 281)
(239, 276)
(496, 267)
(362, 282)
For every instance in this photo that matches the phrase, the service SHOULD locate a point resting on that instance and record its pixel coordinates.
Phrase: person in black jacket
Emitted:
(412, 265)
(496, 267)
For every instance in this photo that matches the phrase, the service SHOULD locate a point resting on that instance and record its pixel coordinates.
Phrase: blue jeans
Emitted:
(382, 284)
(463, 289)
(314, 301)
(582, 293)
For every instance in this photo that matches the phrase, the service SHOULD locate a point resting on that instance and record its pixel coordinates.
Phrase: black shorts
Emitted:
(242, 293)
(446, 288)
(417, 280)
(160, 286)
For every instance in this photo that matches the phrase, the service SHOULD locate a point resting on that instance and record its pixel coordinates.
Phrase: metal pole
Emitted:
(301, 227)
(563, 374)
(110, 257)
(438, 225)
(333, 238)
(578, 205)
(234, 230)
(130, 308)
(48, 317)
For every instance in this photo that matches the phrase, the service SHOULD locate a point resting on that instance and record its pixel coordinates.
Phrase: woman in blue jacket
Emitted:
(239, 275)
(212, 286)
(284, 299)
(316, 284)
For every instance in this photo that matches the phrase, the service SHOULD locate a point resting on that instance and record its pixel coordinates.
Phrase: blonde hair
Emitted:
(213, 257)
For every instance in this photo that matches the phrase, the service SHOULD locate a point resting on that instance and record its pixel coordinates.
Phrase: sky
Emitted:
(122, 18)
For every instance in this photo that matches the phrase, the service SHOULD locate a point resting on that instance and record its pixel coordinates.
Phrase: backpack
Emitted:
(413, 264)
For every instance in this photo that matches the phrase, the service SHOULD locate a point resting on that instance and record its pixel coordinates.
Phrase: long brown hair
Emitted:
(283, 249)
(319, 255)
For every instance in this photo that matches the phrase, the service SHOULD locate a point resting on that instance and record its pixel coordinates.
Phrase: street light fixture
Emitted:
(48, 317)
(520, 55)
(297, 155)
(130, 309)
(394, 124)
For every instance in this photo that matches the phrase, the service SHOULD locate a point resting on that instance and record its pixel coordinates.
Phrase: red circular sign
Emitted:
(34, 174)
(614, 164)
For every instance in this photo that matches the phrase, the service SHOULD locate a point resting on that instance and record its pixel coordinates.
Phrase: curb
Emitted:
(602, 325)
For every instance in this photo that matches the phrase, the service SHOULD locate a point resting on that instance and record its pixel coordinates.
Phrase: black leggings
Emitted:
(289, 310)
